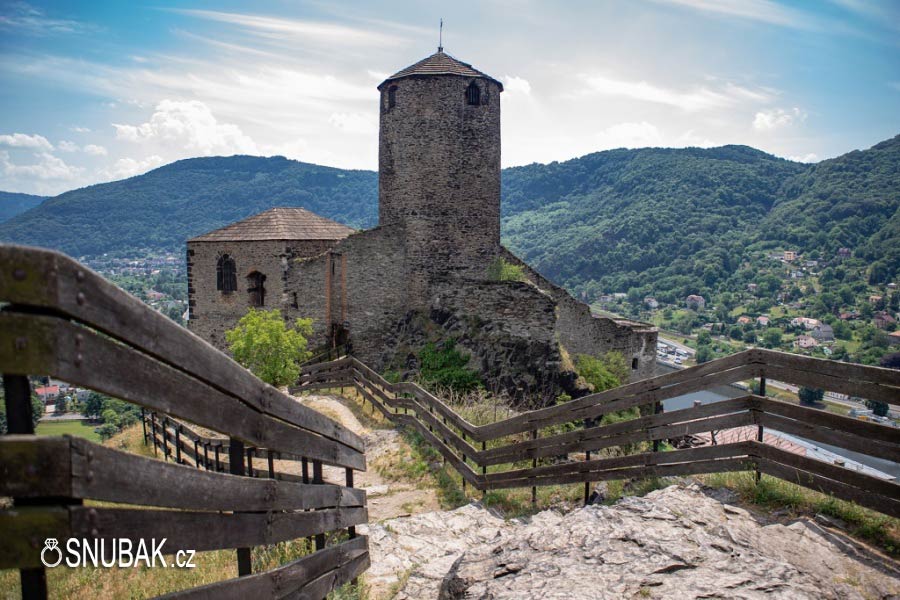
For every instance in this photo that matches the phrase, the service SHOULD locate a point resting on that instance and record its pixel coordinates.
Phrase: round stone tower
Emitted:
(439, 168)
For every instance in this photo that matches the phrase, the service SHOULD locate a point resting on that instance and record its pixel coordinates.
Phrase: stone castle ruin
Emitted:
(423, 273)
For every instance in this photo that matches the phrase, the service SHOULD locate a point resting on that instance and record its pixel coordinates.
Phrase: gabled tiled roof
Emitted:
(278, 224)
(440, 63)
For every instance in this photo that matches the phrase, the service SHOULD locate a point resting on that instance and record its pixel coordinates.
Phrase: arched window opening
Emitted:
(473, 94)
(392, 96)
(634, 364)
(256, 288)
(226, 274)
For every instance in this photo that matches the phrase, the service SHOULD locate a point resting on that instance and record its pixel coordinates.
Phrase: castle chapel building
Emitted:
(421, 274)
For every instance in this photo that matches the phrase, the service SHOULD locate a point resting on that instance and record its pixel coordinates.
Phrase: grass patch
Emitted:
(74, 428)
(773, 494)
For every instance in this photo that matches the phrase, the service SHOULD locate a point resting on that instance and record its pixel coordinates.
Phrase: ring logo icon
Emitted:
(51, 545)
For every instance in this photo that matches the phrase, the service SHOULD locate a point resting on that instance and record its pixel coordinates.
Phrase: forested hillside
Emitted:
(660, 221)
(164, 207)
(12, 204)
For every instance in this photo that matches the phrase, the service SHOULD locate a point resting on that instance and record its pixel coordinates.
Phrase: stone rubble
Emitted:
(683, 541)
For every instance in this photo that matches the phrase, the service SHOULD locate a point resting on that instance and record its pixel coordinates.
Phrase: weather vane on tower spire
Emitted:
(441, 36)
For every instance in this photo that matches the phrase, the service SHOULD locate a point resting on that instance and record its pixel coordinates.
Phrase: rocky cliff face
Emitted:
(679, 542)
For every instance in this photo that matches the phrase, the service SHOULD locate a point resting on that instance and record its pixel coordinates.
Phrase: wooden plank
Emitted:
(813, 416)
(830, 436)
(54, 281)
(641, 472)
(446, 433)
(635, 425)
(590, 442)
(564, 412)
(868, 483)
(832, 368)
(734, 450)
(871, 391)
(462, 468)
(343, 574)
(183, 530)
(607, 402)
(30, 470)
(888, 506)
(87, 358)
(280, 581)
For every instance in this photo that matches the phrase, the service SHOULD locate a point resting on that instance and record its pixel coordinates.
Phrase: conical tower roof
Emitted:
(439, 63)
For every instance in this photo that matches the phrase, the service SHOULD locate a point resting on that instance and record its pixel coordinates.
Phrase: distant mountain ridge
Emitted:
(647, 218)
(13, 203)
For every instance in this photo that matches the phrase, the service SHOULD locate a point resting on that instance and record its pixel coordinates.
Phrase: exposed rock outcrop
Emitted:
(679, 542)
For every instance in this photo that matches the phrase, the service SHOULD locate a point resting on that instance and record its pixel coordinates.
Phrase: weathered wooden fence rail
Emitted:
(506, 448)
(60, 319)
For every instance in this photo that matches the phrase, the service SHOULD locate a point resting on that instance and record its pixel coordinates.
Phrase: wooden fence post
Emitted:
(657, 408)
(19, 420)
(483, 469)
(144, 423)
(197, 453)
(534, 436)
(178, 443)
(153, 430)
(270, 458)
(759, 431)
(165, 440)
(236, 467)
(317, 479)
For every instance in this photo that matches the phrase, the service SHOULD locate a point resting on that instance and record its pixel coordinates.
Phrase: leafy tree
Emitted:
(842, 330)
(878, 407)
(704, 354)
(811, 396)
(61, 403)
(703, 338)
(93, 405)
(772, 338)
(270, 349)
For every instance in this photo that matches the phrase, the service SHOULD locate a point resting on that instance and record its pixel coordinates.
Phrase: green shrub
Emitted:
(503, 270)
(446, 367)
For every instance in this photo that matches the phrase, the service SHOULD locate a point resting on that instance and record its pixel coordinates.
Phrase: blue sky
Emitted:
(96, 91)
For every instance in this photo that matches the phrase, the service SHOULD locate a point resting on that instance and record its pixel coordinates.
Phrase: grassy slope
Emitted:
(74, 428)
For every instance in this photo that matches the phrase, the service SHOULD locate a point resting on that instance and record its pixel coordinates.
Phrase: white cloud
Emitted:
(191, 126)
(763, 11)
(129, 167)
(513, 85)
(777, 118)
(78, 129)
(629, 135)
(67, 146)
(95, 150)
(355, 122)
(23, 140)
(805, 158)
(696, 99)
(298, 30)
(48, 167)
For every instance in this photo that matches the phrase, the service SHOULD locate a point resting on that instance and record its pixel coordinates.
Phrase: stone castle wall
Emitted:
(439, 173)
(582, 333)
(213, 312)
(361, 280)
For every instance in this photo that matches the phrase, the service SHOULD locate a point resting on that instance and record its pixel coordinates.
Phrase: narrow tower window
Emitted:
(392, 96)
(226, 274)
(256, 288)
(473, 94)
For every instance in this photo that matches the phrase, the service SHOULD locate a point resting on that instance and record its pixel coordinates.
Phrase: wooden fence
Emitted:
(60, 319)
(552, 434)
